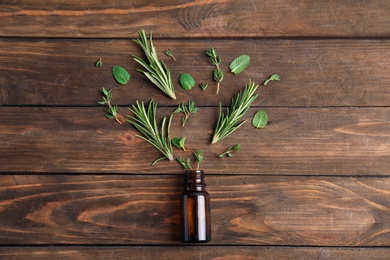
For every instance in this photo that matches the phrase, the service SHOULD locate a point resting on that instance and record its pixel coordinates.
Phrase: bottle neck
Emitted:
(194, 180)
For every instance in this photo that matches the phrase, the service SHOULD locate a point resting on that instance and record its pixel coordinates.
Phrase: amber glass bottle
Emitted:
(195, 208)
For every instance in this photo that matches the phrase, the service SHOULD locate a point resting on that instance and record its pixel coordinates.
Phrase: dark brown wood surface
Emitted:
(314, 184)
(315, 73)
(113, 209)
(194, 252)
(314, 141)
(204, 18)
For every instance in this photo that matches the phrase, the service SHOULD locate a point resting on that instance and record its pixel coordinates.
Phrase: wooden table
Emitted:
(314, 184)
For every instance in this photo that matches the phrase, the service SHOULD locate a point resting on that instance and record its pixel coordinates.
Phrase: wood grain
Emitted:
(193, 252)
(204, 18)
(314, 73)
(320, 211)
(328, 141)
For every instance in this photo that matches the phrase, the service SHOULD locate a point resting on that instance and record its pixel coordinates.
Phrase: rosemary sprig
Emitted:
(187, 110)
(155, 70)
(229, 151)
(145, 122)
(229, 122)
(215, 60)
(112, 111)
(169, 53)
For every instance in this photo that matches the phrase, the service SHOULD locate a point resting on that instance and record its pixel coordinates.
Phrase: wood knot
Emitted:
(128, 138)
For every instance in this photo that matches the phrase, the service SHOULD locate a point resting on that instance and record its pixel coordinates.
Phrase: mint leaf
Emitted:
(120, 75)
(187, 82)
(239, 64)
(260, 119)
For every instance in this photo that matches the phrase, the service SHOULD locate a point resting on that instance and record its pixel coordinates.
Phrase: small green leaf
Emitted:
(240, 63)
(260, 119)
(203, 86)
(187, 82)
(99, 63)
(120, 75)
(179, 142)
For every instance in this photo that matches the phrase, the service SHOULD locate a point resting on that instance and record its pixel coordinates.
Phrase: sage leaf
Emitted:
(120, 75)
(260, 119)
(187, 82)
(239, 64)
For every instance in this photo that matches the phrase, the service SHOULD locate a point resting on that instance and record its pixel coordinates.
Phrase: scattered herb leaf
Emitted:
(144, 120)
(229, 151)
(239, 64)
(187, 109)
(155, 70)
(99, 63)
(112, 111)
(187, 82)
(215, 60)
(203, 86)
(179, 142)
(229, 122)
(260, 119)
(169, 53)
(120, 75)
(273, 77)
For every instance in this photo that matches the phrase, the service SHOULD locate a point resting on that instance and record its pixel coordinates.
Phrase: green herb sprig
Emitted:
(273, 77)
(187, 109)
(99, 63)
(229, 151)
(198, 157)
(169, 53)
(155, 70)
(145, 122)
(112, 111)
(229, 122)
(187, 163)
(215, 60)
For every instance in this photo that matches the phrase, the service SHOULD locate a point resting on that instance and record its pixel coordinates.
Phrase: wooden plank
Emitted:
(314, 72)
(193, 252)
(226, 18)
(327, 141)
(144, 210)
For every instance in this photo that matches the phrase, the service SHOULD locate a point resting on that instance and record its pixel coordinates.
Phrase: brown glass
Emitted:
(195, 208)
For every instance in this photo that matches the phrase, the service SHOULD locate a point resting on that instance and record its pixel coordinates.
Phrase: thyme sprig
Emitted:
(112, 111)
(229, 151)
(229, 122)
(187, 110)
(145, 122)
(155, 70)
(215, 60)
(187, 163)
